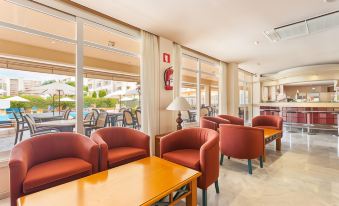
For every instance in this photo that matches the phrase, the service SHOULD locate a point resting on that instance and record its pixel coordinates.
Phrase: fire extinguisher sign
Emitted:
(166, 58)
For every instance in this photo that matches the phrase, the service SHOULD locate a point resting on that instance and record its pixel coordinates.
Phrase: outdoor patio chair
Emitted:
(100, 123)
(138, 118)
(96, 113)
(128, 119)
(66, 114)
(19, 126)
(204, 111)
(89, 119)
(36, 130)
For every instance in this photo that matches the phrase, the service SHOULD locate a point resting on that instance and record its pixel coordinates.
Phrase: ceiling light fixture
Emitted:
(256, 43)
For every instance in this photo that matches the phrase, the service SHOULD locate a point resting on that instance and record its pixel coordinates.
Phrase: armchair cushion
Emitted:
(191, 160)
(42, 176)
(123, 155)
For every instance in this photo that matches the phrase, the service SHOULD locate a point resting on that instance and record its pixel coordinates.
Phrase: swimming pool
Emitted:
(10, 117)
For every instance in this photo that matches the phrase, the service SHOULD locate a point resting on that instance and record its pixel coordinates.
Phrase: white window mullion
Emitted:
(79, 72)
(198, 90)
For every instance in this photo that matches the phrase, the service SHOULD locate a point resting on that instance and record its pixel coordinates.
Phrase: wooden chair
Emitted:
(128, 119)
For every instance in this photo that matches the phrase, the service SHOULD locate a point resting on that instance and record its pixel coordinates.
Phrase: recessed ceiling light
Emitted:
(256, 43)
(328, 1)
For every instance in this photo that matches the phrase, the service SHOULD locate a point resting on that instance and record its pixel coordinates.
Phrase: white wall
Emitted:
(166, 96)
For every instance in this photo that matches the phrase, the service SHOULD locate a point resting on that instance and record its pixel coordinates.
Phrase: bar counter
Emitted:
(323, 115)
(299, 104)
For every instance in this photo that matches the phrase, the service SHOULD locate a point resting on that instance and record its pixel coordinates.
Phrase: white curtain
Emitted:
(223, 88)
(150, 67)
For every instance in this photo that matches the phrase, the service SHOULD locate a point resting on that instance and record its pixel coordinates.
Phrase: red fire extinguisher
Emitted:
(168, 78)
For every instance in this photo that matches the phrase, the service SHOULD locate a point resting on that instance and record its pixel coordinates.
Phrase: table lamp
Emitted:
(179, 104)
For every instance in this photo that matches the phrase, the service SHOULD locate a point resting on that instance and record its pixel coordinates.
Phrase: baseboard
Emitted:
(4, 195)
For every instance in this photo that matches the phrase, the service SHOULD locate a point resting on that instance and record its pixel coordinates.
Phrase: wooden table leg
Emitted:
(278, 144)
(191, 200)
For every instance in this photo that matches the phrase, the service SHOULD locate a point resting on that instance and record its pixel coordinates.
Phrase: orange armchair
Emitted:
(268, 121)
(212, 122)
(120, 145)
(241, 142)
(232, 119)
(48, 160)
(196, 148)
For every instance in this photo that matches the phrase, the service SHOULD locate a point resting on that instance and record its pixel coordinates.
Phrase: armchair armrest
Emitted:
(103, 151)
(18, 165)
(205, 123)
(209, 162)
(88, 151)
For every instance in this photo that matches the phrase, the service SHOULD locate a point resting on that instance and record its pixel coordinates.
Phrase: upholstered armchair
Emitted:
(232, 119)
(241, 142)
(268, 121)
(120, 145)
(48, 160)
(212, 122)
(195, 148)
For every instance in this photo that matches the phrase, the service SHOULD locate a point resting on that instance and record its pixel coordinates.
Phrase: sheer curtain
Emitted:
(150, 67)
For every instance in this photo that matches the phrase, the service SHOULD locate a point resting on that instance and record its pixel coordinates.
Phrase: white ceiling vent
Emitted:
(302, 28)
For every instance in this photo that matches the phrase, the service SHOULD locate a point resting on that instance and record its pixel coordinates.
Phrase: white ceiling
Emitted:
(227, 29)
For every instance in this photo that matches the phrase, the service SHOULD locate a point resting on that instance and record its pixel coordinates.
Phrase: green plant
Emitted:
(94, 95)
(102, 93)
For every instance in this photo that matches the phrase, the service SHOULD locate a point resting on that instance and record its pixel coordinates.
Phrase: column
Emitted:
(223, 88)
(232, 89)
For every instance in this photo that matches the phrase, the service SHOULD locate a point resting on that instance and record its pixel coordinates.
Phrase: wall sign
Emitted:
(166, 57)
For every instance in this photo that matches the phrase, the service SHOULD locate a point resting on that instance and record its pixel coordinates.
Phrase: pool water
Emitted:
(9, 117)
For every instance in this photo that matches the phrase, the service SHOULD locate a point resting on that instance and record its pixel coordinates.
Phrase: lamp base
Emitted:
(179, 121)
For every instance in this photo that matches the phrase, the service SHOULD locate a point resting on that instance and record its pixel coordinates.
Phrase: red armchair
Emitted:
(232, 119)
(212, 122)
(196, 148)
(48, 160)
(241, 142)
(120, 145)
(268, 121)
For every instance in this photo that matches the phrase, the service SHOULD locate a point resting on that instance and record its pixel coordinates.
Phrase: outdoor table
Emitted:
(62, 125)
(45, 117)
(113, 116)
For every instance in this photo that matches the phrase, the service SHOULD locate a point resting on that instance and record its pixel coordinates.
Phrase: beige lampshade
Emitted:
(179, 104)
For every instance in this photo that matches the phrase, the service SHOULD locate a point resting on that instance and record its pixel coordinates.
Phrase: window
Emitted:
(203, 98)
(245, 95)
(37, 49)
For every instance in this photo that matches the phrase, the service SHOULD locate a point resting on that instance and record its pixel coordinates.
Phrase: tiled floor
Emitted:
(305, 172)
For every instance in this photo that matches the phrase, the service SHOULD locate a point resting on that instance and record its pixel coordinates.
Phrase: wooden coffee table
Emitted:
(269, 136)
(143, 182)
